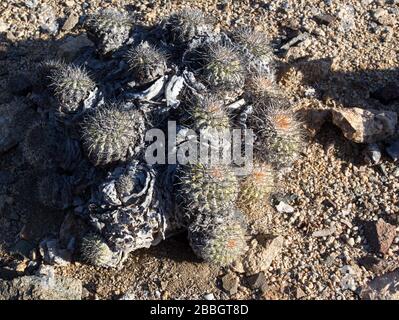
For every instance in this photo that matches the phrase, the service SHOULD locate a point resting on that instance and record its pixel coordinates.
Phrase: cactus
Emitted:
(39, 145)
(279, 135)
(255, 45)
(185, 25)
(95, 251)
(218, 239)
(47, 70)
(146, 62)
(206, 112)
(111, 134)
(109, 29)
(71, 85)
(222, 67)
(263, 91)
(256, 187)
(205, 188)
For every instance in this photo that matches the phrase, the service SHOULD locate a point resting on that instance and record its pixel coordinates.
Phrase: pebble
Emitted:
(283, 207)
(230, 283)
(70, 22)
(209, 296)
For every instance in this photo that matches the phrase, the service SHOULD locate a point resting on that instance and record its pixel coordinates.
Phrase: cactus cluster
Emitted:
(92, 137)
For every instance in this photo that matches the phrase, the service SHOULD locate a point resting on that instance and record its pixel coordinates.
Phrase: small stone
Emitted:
(230, 283)
(71, 22)
(393, 150)
(3, 26)
(380, 235)
(283, 207)
(258, 281)
(31, 4)
(351, 242)
(209, 296)
(365, 126)
(72, 46)
(325, 19)
(372, 154)
(323, 233)
(384, 287)
(299, 293)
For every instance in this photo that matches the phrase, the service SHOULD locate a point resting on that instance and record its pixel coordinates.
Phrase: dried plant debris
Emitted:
(90, 144)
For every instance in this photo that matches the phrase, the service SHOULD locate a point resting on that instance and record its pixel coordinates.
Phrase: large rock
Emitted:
(41, 287)
(365, 126)
(384, 287)
(261, 254)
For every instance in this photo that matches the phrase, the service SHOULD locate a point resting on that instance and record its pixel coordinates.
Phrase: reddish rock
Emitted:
(380, 235)
(365, 126)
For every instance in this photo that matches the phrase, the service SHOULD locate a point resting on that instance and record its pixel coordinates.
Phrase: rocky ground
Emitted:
(331, 229)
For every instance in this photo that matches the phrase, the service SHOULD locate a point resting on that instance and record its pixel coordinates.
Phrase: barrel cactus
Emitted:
(111, 134)
(279, 135)
(256, 47)
(257, 186)
(109, 29)
(204, 112)
(185, 25)
(222, 67)
(95, 251)
(146, 62)
(218, 239)
(209, 188)
(72, 85)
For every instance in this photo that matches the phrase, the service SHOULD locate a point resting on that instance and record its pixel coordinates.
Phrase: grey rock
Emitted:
(31, 4)
(258, 281)
(325, 19)
(70, 22)
(41, 287)
(393, 150)
(346, 15)
(384, 287)
(372, 154)
(230, 283)
(365, 126)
